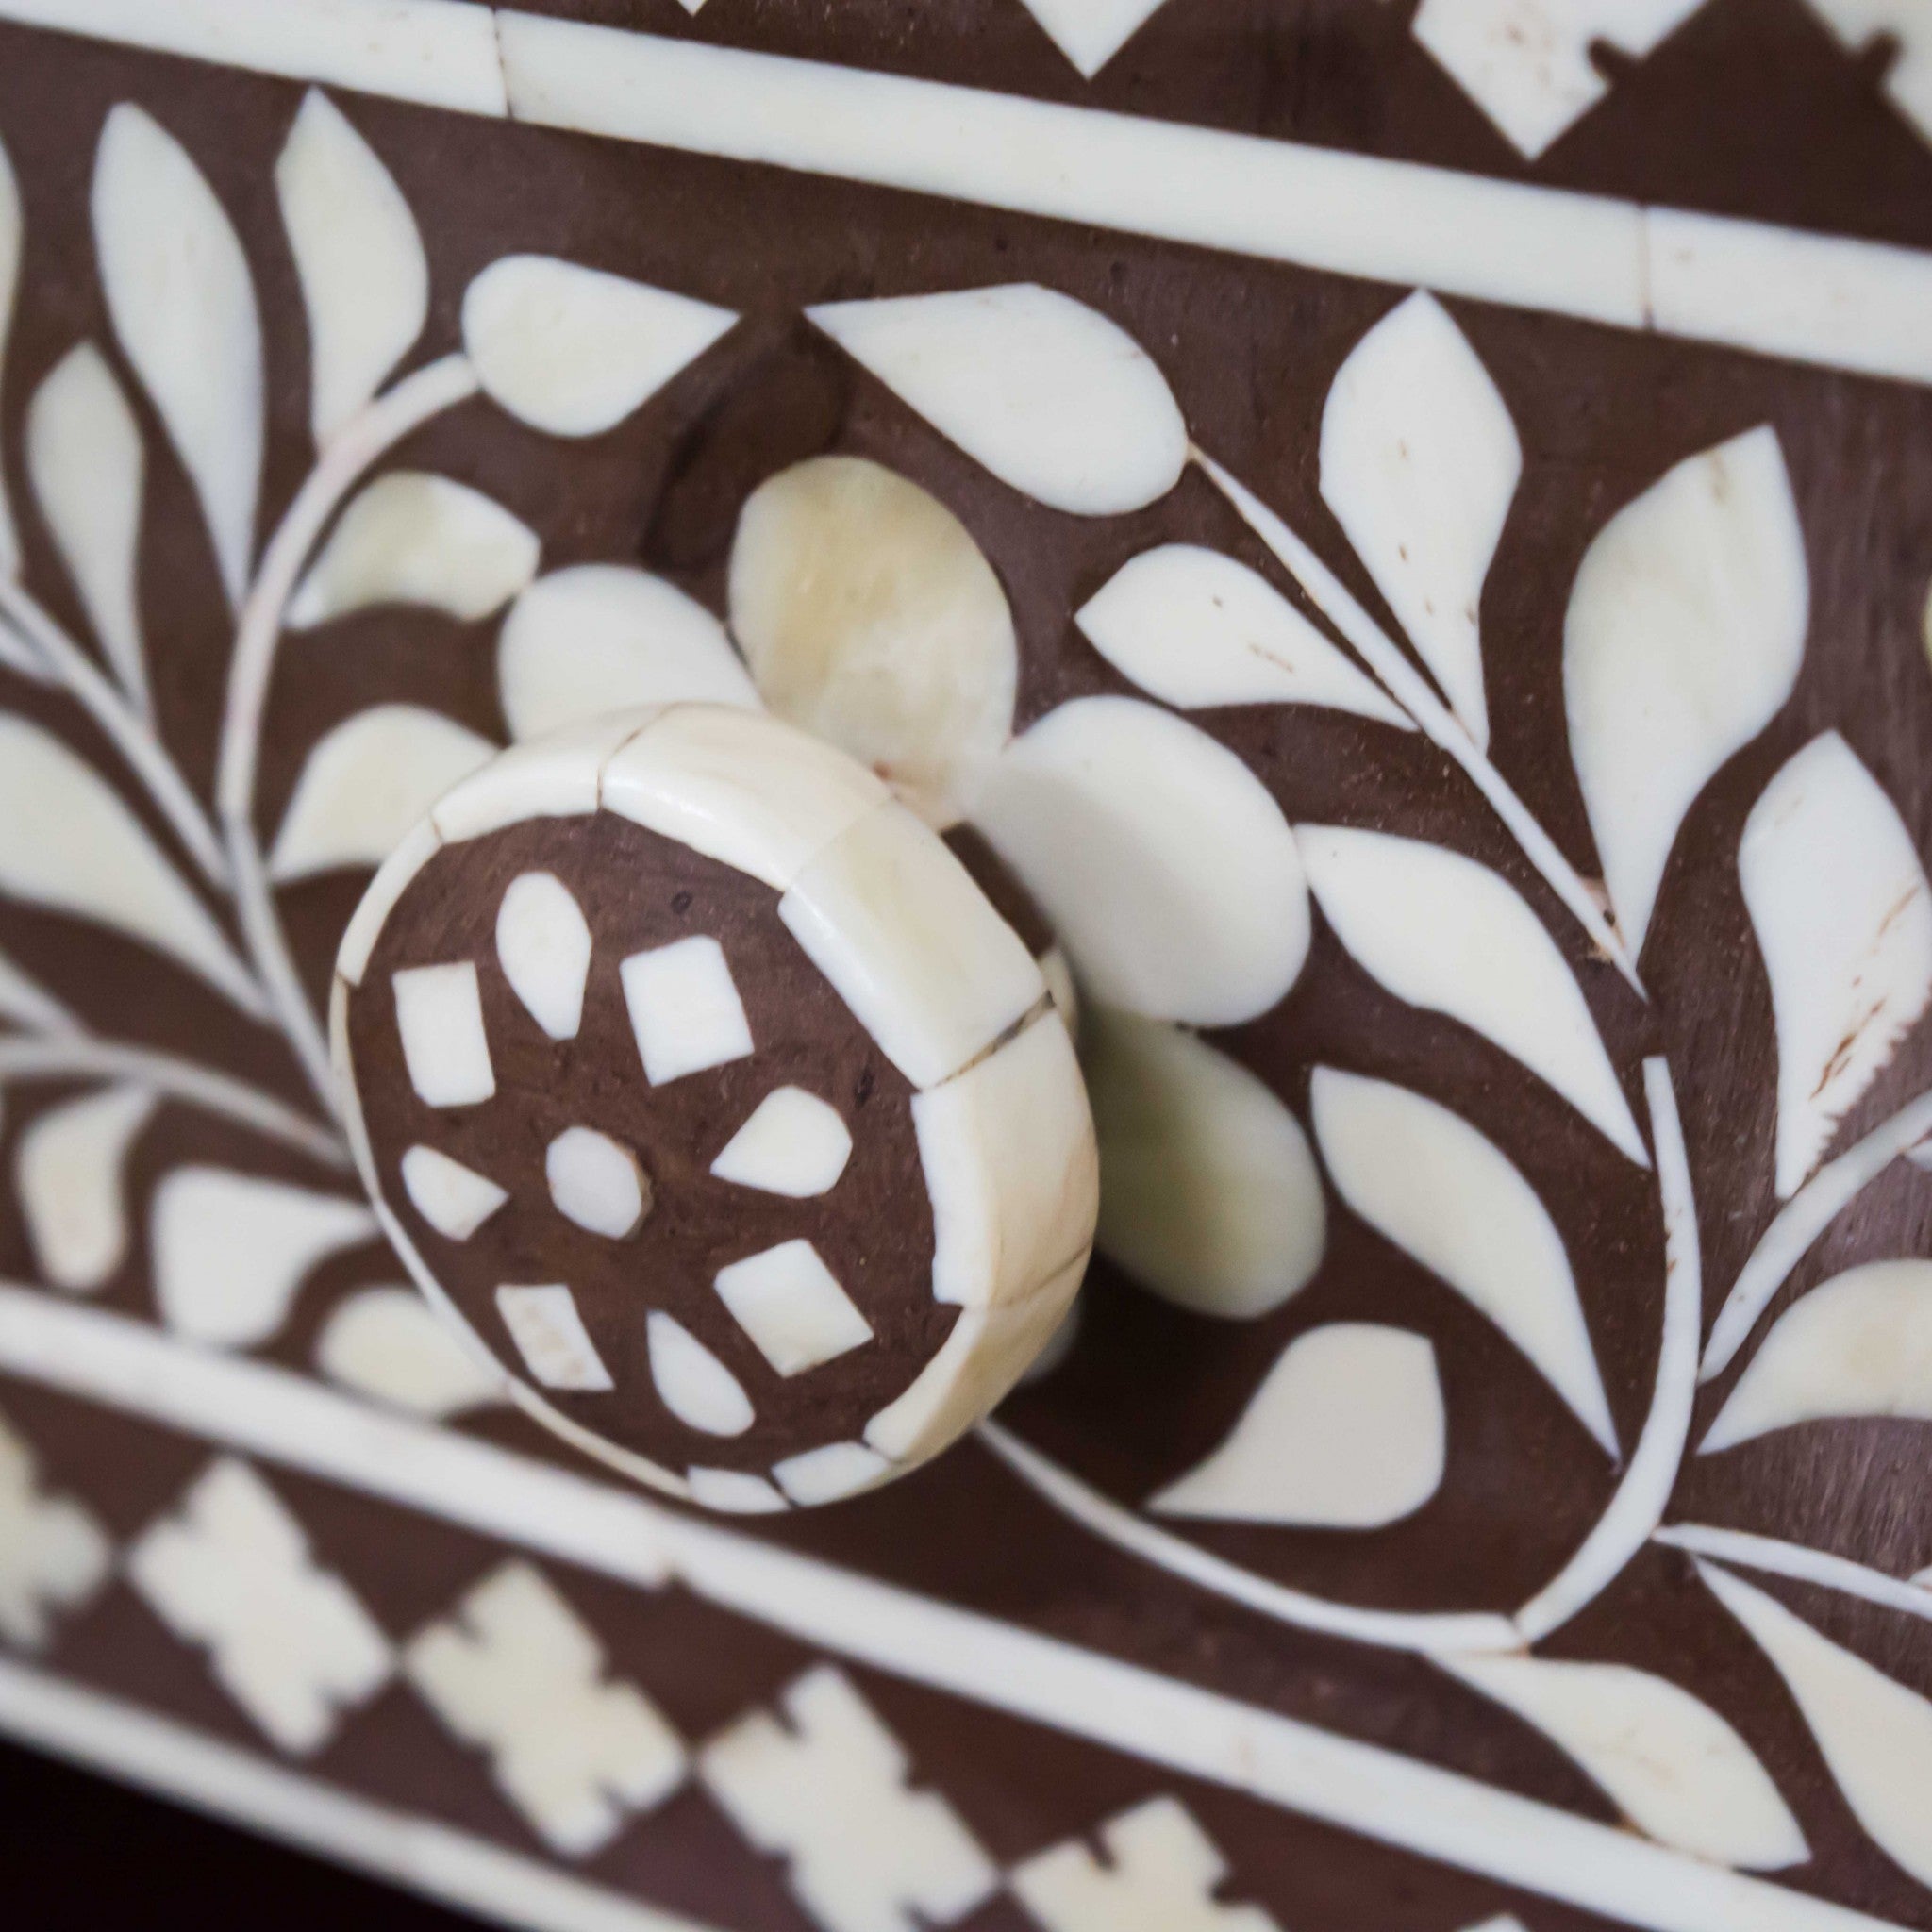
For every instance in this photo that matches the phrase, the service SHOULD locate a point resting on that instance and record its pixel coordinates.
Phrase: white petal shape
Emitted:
(183, 306)
(869, 617)
(683, 1009)
(599, 637)
(384, 1343)
(1165, 867)
(1449, 935)
(365, 280)
(831, 1473)
(1346, 1432)
(11, 239)
(70, 1173)
(89, 466)
(1091, 32)
(1196, 629)
(454, 1200)
(1051, 396)
(573, 350)
(1683, 639)
(1876, 1735)
(1420, 463)
(440, 1018)
(67, 842)
(544, 945)
(365, 783)
(412, 537)
(793, 1143)
(1426, 1180)
(1209, 1193)
(596, 1182)
(692, 1382)
(1669, 1762)
(1840, 903)
(550, 1336)
(231, 1250)
(793, 1307)
(1861, 1344)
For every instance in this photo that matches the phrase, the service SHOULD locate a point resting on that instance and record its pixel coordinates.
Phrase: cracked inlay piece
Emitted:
(706, 1086)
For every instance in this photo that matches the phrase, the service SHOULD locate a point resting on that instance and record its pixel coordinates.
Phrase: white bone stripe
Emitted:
(1362, 1788)
(1831, 300)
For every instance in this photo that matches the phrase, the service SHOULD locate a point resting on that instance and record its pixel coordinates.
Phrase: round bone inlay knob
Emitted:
(695, 1078)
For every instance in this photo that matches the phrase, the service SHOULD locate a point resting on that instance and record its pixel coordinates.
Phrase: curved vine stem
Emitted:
(362, 441)
(1410, 690)
(1799, 1561)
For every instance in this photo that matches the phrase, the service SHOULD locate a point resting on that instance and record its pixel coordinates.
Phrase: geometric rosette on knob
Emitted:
(700, 1085)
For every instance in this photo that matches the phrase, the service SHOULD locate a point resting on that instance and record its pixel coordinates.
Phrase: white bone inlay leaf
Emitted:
(454, 1200)
(10, 242)
(68, 843)
(692, 1382)
(183, 305)
(573, 350)
(550, 1336)
(439, 1017)
(1345, 1432)
(870, 618)
(1197, 629)
(791, 1144)
(1875, 1733)
(1420, 463)
(1840, 903)
(1682, 639)
(415, 538)
(1164, 865)
(793, 1307)
(365, 783)
(602, 637)
(1449, 935)
(831, 1473)
(1053, 398)
(89, 466)
(1209, 1193)
(1428, 1181)
(52, 1554)
(358, 257)
(384, 1344)
(1860, 1344)
(683, 1009)
(596, 1182)
(544, 944)
(69, 1169)
(1091, 32)
(1675, 1769)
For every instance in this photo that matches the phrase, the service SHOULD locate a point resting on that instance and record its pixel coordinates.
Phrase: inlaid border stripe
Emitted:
(1437, 1814)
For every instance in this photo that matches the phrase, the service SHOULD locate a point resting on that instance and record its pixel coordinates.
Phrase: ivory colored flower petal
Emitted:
(870, 618)
(692, 1382)
(551, 1337)
(1838, 900)
(573, 350)
(439, 1018)
(544, 945)
(1050, 395)
(385, 1343)
(792, 1143)
(454, 1200)
(601, 636)
(1420, 463)
(70, 1173)
(1161, 861)
(1345, 1432)
(596, 1182)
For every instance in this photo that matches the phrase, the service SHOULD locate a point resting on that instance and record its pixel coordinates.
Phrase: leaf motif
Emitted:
(89, 466)
(1875, 1733)
(1449, 935)
(358, 257)
(412, 537)
(69, 1170)
(1345, 1432)
(230, 1250)
(1055, 399)
(384, 1343)
(1208, 1195)
(1843, 917)
(12, 228)
(183, 306)
(1420, 463)
(600, 638)
(1861, 1344)
(1196, 629)
(1681, 642)
(70, 844)
(1161, 861)
(1675, 1768)
(1423, 1178)
(573, 350)
(366, 783)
